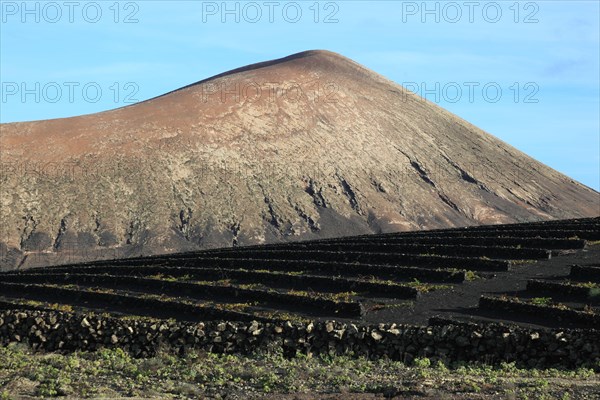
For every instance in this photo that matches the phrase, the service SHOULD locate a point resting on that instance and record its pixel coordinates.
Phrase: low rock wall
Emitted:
(490, 343)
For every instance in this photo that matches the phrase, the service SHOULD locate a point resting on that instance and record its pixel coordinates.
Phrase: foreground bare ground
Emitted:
(114, 374)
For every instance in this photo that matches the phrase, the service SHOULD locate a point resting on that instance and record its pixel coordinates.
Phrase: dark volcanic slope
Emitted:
(522, 274)
(309, 146)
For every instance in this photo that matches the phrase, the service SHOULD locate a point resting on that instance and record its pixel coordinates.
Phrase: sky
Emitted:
(528, 72)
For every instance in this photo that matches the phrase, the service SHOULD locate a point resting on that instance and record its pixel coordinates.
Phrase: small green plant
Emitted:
(471, 276)
(422, 362)
(590, 285)
(541, 301)
(541, 383)
(472, 386)
(441, 367)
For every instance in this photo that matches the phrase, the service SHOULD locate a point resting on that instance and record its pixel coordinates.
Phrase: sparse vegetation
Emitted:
(589, 285)
(536, 301)
(541, 301)
(427, 287)
(471, 276)
(522, 262)
(113, 373)
(242, 307)
(344, 297)
(220, 282)
(402, 304)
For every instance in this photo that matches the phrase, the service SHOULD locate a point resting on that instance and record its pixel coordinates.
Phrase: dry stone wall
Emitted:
(491, 343)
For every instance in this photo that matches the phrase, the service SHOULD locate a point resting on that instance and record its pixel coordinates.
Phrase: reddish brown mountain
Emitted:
(311, 145)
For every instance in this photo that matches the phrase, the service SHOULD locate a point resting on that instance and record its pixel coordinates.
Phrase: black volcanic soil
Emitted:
(310, 281)
(462, 300)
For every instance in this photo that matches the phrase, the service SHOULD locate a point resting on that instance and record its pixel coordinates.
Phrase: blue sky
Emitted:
(544, 57)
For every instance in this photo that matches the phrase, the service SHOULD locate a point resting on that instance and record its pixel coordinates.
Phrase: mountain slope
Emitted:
(311, 145)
